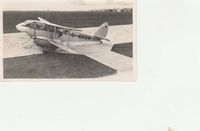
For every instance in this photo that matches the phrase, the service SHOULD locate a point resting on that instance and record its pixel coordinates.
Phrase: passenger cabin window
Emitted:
(40, 26)
(51, 28)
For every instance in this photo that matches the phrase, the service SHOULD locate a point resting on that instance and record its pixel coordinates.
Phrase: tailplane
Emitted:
(102, 30)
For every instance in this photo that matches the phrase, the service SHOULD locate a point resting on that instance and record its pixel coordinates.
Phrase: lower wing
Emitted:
(61, 46)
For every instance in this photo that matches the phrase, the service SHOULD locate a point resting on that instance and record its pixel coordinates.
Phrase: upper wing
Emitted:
(43, 20)
(63, 27)
(68, 28)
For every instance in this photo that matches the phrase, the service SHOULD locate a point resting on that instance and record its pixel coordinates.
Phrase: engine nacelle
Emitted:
(45, 45)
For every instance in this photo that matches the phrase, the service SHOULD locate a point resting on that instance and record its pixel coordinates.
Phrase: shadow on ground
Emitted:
(124, 49)
(55, 65)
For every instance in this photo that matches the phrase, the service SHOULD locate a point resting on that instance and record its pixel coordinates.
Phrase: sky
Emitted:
(75, 1)
(67, 5)
(104, 1)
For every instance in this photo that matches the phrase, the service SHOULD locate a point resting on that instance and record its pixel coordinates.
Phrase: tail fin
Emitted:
(102, 30)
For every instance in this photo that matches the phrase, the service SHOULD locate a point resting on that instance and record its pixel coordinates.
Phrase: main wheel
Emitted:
(45, 51)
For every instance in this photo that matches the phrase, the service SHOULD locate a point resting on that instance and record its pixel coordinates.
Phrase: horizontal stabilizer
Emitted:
(102, 38)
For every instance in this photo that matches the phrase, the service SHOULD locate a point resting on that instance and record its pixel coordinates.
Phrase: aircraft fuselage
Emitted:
(53, 33)
(43, 32)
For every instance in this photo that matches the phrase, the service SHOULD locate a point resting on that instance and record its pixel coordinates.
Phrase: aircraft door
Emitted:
(50, 30)
(40, 28)
(33, 25)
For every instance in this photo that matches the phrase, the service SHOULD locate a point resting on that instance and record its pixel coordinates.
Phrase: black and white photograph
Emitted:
(99, 65)
(78, 39)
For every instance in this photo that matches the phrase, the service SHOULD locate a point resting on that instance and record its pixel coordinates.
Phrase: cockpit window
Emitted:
(36, 25)
(31, 25)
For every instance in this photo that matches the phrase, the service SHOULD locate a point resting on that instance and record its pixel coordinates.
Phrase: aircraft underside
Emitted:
(45, 45)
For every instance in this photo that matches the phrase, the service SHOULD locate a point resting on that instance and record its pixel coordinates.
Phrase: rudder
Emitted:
(102, 30)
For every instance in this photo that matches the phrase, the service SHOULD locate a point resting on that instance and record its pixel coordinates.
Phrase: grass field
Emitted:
(54, 65)
(123, 49)
(77, 19)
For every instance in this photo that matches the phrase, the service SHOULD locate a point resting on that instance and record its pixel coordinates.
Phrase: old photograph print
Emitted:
(87, 40)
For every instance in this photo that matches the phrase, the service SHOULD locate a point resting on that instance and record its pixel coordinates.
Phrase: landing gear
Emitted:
(45, 50)
(101, 42)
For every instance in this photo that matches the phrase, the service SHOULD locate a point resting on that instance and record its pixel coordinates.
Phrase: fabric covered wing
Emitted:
(51, 24)
(61, 46)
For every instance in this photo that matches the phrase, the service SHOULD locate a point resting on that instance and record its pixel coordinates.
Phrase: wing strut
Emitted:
(68, 38)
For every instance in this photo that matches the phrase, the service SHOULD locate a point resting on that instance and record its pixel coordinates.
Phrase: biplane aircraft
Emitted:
(50, 36)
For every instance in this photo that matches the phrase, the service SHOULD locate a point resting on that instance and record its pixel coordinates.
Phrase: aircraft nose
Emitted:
(19, 27)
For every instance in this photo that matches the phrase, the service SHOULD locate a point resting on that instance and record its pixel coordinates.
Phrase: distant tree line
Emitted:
(115, 10)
